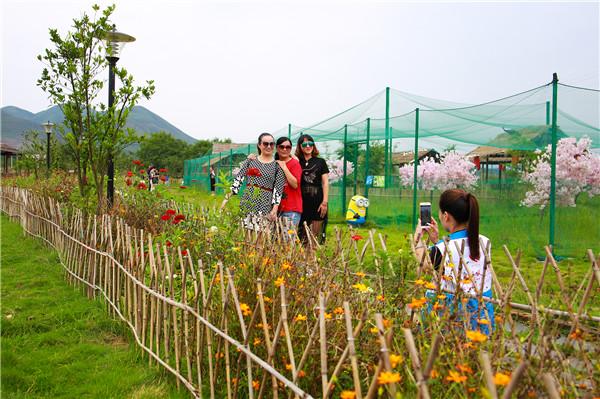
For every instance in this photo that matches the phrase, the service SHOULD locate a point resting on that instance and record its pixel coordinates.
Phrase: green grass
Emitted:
(56, 343)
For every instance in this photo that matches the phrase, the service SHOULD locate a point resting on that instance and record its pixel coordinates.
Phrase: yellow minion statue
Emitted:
(357, 210)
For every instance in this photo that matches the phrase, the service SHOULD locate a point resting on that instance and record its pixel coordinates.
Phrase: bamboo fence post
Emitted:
(208, 332)
(286, 330)
(352, 350)
(173, 316)
(264, 321)
(514, 379)
(550, 384)
(323, 343)
(488, 374)
(153, 317)
(384, 352)
(185, 321)
(225, 329)
(435, 347)
(414, 355)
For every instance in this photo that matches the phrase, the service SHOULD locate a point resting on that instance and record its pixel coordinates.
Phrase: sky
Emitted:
(236, 69)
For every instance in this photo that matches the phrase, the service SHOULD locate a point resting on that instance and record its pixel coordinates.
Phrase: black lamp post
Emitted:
(48, 128)
(115, 41)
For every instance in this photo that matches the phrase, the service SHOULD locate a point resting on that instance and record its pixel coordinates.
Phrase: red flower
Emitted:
(253, 172)
(182, 187)
(184, 252)
(137, 162)
(169, 243)
(142, 172)
(165, 217)
(162, 178)
(163, 170)
(128, 181)
(142, 186)
(356, 237)
(129, 173)
(179, 217)
(170, 212)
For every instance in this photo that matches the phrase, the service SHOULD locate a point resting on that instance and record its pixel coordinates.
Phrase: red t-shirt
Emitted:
(292, 197)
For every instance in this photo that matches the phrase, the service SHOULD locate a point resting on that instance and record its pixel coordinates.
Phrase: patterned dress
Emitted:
(264, 188)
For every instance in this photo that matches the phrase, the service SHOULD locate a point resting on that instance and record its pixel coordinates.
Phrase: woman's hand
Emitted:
(282, 164)
(223, 205)
(251, 156)
(322, 209)
(272, 216)
(431, 229)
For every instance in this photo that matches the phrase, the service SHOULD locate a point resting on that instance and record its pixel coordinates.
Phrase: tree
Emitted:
(453, 171)
(577, 172)
(376, 159)
(164, 151)
(72, 78)
(34, 151)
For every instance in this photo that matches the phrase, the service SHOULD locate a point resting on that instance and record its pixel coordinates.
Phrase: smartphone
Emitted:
(425, 213)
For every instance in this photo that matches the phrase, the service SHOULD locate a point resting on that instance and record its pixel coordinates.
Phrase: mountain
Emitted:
(15, 122)
(527, 138)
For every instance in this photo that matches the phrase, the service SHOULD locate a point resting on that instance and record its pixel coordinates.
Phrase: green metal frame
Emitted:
(416, 163)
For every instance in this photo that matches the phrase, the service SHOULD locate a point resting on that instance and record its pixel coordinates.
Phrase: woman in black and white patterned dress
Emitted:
(264, 184)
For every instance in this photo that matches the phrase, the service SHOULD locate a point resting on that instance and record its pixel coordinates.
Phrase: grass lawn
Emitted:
(56, 343)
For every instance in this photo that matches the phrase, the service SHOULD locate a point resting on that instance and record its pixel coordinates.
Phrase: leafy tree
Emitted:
(376, 159)
(164, 151)
(73, 78)
(34, 151)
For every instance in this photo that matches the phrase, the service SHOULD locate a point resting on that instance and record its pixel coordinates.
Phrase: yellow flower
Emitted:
(246, 311)
(267, 299)
(476, 336)
(300, 317)
(235, 249)
(417, 303)
(288, 366)
(483, 321)
(267, 261)
(380, 298)
(286, 266)
(279, 282)
(454, 376)
(438, 306)
(257, 341)
(466, 281)
(348, 395)
(359, 274)
(430, 286)
(338, 310)
(441, 296)
(361, 287)
(255, 385)
(420, 282)
(374, 330)
(327, 316)
(501, 379)
(395, 360)
(388, 377)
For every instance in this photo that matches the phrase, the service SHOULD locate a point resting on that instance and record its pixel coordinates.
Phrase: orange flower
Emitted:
(455, 377)
(434, 374)
(395, 360)
(464, 368)
(257, 341)
(430, 286)
(279, 282)
(387, 323)
(438, 306)
(348, 395)
(301, 374)
(420, 282)
(288, 366)
(246, 311)
(576, 335)
(338, 310)
(219, 355)
(359, 274)
(466, 281)
(286, 266)
(267, 261)
(501, 379)
(476, 336)
(380, 298)
(300, 317)
(255, 385)
(327, 316)
(417, 303)
(387, 377)
(483, 321)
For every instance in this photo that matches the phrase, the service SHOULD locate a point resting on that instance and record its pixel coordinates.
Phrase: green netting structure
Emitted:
(395, 128)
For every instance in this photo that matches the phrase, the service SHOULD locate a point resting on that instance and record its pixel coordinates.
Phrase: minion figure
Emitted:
(357, 210)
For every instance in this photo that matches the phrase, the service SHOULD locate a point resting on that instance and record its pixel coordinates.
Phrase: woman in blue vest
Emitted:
(459, 216)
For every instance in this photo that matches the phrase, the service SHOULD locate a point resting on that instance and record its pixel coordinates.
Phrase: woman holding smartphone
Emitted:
(290, 208)
(459, 216)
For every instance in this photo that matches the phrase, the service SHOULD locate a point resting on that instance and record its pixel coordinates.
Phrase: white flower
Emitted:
(214, 229)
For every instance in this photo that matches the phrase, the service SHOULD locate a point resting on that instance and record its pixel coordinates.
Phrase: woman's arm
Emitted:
(325, 184)
(291, 179)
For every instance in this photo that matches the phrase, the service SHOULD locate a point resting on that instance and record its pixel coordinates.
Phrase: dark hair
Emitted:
(463, 206)
(260, 140)
(280, 141)
(299, 154)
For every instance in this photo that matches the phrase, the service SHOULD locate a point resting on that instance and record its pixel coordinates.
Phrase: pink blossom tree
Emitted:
(453, 171)
(336, 169)
(577, 171)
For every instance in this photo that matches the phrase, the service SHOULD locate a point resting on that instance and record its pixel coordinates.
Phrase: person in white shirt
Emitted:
(459, 215)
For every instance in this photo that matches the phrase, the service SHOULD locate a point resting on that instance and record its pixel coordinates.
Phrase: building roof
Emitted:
(404, 157)
(8, 149)
(484, 151)
(220, 147)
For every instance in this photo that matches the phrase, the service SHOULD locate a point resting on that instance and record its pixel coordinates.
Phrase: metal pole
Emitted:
(290, 131)
(355, 168)
(388, 141)
(553, 161)
(208, 171)
(48, 155)
(345, 170)
(547, 113)
(230, 162)
(367, 157)
(110, 182)
(416, 163)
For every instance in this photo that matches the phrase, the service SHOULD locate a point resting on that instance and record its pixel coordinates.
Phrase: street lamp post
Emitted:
(48, 128)
(114, 44)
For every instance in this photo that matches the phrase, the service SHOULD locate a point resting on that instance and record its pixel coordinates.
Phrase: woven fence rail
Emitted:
(275, 319)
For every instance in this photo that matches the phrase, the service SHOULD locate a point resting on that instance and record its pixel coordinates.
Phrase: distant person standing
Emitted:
(213, 180)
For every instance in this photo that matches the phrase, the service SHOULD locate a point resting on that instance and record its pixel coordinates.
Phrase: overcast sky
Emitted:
(236, 69)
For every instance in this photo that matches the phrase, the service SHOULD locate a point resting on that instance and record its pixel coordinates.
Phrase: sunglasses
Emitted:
(284, 147)
(268, 144)
(307, 144)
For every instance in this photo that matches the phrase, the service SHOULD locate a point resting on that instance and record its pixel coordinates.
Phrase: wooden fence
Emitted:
(302, 323)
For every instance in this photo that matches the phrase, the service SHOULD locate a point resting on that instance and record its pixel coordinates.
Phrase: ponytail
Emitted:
(464, 207)
(473, 226)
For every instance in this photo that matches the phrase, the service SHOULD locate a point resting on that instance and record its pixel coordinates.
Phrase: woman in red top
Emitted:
(290, 207)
